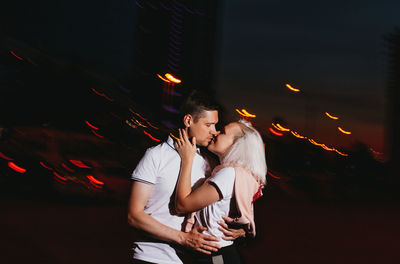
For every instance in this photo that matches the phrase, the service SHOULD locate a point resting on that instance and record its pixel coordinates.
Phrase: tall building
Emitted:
(176, 37)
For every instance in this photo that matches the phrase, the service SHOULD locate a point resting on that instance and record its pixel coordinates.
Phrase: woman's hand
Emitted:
(186, 149)
(230, 233)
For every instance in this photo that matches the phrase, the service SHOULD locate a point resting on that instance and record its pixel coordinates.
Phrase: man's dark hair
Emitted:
(196, 103)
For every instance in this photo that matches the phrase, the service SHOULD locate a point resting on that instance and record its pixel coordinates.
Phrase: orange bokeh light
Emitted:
(292, 88)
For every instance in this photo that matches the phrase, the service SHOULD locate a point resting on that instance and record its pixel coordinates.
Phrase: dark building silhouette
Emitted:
(393, 102)
(176, 37)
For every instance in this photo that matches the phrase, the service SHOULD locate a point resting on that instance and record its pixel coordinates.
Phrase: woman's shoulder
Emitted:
(223, 169)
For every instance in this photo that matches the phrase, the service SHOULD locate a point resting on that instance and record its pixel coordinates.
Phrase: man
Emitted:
(154, 181)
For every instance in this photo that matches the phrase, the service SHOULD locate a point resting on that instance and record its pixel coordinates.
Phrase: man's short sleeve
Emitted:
(146, 170)
(224, 179)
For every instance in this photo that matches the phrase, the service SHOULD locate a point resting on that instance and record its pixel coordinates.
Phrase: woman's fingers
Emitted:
(180, 134)
(227, 219)
(185, 135)
(194, 141)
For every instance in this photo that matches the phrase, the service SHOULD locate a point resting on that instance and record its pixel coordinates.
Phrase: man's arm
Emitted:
(137, 218)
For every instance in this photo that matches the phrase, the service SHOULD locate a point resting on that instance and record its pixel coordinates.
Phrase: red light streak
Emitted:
(94, 132)
(16, 55)
(108, 98)
(151, 125)
(92, 126)
(275, 132)
(43, 165)
(59, 176)
(137, 114)
(15, 167)
(67, 168)
(150, 136)
(80, 164)
(273, 176)
(102, 94)
(94, 180)
(5, 157)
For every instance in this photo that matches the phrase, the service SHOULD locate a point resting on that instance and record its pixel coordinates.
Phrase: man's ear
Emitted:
(188, 120)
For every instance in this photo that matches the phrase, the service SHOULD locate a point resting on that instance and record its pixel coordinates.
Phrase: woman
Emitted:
(237, 181)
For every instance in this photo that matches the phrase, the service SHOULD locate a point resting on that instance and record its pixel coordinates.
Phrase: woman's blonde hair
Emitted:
(248, 151)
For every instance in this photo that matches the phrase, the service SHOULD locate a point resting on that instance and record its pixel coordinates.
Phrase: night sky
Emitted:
(334, 51)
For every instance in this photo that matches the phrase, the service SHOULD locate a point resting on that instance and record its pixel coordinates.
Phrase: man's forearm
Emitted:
(151, 226)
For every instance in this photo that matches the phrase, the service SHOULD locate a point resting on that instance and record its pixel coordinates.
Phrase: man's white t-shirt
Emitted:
(209, 216)
(160, 167)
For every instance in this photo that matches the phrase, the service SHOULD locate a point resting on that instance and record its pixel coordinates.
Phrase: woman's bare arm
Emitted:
(186, 200)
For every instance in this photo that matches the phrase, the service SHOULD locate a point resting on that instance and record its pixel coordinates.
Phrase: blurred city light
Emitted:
(94, 180)
(92, 126)
(45, 166)
(59, 177)
(344, 131)
(172, 78)
(4, 156)
(276, 133)
(273, 176)
(292, 88)
(67, 168)
(294, 133)
(172, 135)
(16, 168)
(331, 116)
(150, 136)
(244, 113)
(16, 55)
(281, 128)
(247, 113)
(162, 78)
(341, 153)
(145, 119)
(79, 164)
(297, 135)
(97, 134)
(102, 94)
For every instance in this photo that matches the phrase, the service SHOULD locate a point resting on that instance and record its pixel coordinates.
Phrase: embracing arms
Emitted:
(187, 201)
(138, 219)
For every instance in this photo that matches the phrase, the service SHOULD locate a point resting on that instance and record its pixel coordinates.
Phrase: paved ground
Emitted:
(44, 231)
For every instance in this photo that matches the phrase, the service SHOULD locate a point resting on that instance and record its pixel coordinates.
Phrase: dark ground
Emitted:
(67, 231)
